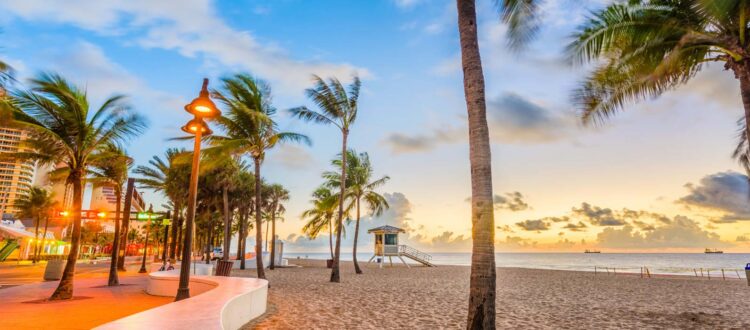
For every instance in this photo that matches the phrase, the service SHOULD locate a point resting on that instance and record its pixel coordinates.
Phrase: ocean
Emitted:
(733, 264)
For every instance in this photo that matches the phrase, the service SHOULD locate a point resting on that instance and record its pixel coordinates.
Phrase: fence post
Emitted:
(708, 271)
(722, 274)
(648, 272)
(696, 272)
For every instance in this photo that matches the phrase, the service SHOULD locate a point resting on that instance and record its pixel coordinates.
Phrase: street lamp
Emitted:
(145, 246)
(201, 108)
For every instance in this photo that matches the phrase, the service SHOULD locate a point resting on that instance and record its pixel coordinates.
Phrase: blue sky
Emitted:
(412, 113)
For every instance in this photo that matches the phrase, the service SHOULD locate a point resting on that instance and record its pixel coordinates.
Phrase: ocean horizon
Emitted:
(689, 264)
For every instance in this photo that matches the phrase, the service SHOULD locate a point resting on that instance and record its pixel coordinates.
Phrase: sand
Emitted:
(436, 298)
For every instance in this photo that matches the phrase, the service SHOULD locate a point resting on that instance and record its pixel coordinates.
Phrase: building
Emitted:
(16, 176)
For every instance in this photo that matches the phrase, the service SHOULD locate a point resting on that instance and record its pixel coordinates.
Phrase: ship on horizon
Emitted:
(713, 251)
(592, 251)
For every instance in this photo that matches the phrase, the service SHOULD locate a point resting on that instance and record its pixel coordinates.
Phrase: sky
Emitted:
(656, 177)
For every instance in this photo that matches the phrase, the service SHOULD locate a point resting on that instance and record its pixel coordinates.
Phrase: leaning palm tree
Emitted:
(519, 14)
(113, 171)
(36, 205)
(276, 195)
(645, 48)
(63, 130)
(250, 130)
(338, 107)
(320, 216)
(359, 186)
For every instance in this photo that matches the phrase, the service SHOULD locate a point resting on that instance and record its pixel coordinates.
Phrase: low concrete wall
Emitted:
(216, 302)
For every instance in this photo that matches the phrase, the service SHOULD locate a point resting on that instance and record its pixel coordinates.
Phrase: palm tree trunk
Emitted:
(65, 288)
(227, 223)
(176, 225)
(267, 231)
(481, 314)
(258, 223)
(273, 236)
(36, 241)
(129, 191)
(330, 237)
(335, 276)
(356, 236)
(243, 239)
(113, 278)
(46, 225)
(239, 236)
(742, 72)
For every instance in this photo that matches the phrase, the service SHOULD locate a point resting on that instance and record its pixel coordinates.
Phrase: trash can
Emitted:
(747, 274)
(54, 269)
(224, 268)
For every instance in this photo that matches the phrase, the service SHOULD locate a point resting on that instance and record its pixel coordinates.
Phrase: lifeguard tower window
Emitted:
(391, 239)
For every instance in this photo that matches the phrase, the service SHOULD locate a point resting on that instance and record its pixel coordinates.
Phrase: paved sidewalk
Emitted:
(97, 305)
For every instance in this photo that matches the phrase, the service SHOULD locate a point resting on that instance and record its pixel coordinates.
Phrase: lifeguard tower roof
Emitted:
(386, 229)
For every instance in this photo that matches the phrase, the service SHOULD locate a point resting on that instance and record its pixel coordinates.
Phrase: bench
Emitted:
(215, 302)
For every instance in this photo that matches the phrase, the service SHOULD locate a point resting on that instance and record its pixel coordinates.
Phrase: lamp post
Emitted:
(166, 222)
(201, 107)
(145, 246)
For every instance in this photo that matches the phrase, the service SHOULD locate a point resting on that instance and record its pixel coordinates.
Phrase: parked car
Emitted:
(217, 253)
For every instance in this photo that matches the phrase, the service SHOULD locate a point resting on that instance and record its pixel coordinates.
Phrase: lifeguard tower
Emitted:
(386, 245)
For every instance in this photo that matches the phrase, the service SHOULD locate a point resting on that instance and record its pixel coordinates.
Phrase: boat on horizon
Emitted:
(713, 251)
(592, 251)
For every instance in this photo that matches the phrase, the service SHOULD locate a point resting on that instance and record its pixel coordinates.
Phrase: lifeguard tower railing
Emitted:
(415, 254)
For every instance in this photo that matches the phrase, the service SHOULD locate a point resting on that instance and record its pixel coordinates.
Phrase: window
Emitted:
(391, 239)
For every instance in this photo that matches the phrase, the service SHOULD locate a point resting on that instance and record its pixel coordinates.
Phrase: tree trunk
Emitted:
(335, 276)
(258, 223)
(267, 231)
(356, 236)
(46, 225)
(227, 224)
(65, 288)
(175, 228)
(481, 313)
(129, 190)
(273, 236)
(180, 230)
(742, 72)
(113, 278)
(34, 254)
(239, 235)
(243, 238)
(330, 237)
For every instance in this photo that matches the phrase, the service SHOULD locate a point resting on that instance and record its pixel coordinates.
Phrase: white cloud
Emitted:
(192, 28)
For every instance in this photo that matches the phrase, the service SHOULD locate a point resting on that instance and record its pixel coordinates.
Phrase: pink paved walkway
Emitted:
(103, 304)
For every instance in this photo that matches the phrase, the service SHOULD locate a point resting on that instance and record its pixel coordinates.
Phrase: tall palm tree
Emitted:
(113, 171)
(648, 47)
(63, 130)
(320, 216)
(519, 15)
(360, 185)
(36, 205)
(276, 195)
(250, 130)
(338, 107)
(169, 176)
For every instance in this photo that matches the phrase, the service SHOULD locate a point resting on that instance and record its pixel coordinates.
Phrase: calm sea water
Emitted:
(657, 263)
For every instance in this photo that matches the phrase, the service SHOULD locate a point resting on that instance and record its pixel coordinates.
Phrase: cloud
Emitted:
(406, 4)
(293, 157)
(192, 28)
(505, 229)
(598, 216)
(533, 225)
(682, 232)
(512, 119)
(515, 119)
(512, 201)
(726, 192)
(580, 226)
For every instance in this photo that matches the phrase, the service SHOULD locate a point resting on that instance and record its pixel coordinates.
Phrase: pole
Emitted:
(183, 290)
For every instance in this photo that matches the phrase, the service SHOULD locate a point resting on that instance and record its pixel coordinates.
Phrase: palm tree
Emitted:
(169, 176)
(63, 130)
(36, 205)
(359, 186)
(276, 195)
(320, 216)
(250, 130)
(649, 47)
(113, 171)
(519, 14)
(338, 107)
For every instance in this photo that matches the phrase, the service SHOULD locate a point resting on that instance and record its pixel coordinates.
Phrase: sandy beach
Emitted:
(436, 298)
